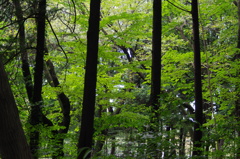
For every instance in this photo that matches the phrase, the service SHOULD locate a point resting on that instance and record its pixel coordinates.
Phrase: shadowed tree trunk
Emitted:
(22, 46)
(13, 143)
(197, 146)
(25, 65)
(156, 68)
(36, 115)
(156, 59)
(156, 55)
(89, 96)
(65, 106)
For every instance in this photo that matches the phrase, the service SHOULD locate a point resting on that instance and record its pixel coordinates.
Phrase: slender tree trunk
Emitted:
(13, 143)
(156, 56)
(156, 71)
(35, 116)
(65, 106)
(22, 45)
(197, 146)
(25, 64)
(182, 140)
(24, 56)
(89, 96)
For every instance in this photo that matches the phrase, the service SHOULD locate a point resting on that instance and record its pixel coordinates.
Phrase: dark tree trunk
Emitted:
(113, 145)
(24, 56)
(89, 96)
(156, 72)
(35, 116)
(156, 55)
(197, 146)
(25, 64)
(22, 46)
(65, 106)
(13, 143)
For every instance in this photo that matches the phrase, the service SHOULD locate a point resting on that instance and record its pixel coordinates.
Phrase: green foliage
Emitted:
(124, 85)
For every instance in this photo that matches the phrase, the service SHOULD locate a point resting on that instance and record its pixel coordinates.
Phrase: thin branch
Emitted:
(6, 26)
(24, 19)
(58, 42)
(75, 16)
(179, 7)
(16, 54)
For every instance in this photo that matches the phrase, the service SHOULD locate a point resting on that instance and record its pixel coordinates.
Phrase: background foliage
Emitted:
(123, 88)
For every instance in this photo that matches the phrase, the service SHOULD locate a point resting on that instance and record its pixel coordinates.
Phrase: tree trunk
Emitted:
(113, 145)
(182, 140)
(22, 45)
(197, 146)
(25, 64)
(13, 143)
(156, 56)
(156, 71)
(36, 115)
(89, 96)
(65, 106)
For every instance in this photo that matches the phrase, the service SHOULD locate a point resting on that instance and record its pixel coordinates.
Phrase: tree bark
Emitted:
(197, 146)
(25, 64)
(65, 106)
(22, 46)
(156, 71)
(89, 96)
(35, 116)
(13, 143)
(156, 55)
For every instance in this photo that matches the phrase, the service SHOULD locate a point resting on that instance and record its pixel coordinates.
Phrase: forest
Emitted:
(108, 79)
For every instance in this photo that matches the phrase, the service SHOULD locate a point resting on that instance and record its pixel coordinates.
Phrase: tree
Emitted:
(197, 147)
(13, 143)
(156, 56)
(156, 66)
(53, 80)
(65, 108)
(87, 127)
(36, 116)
